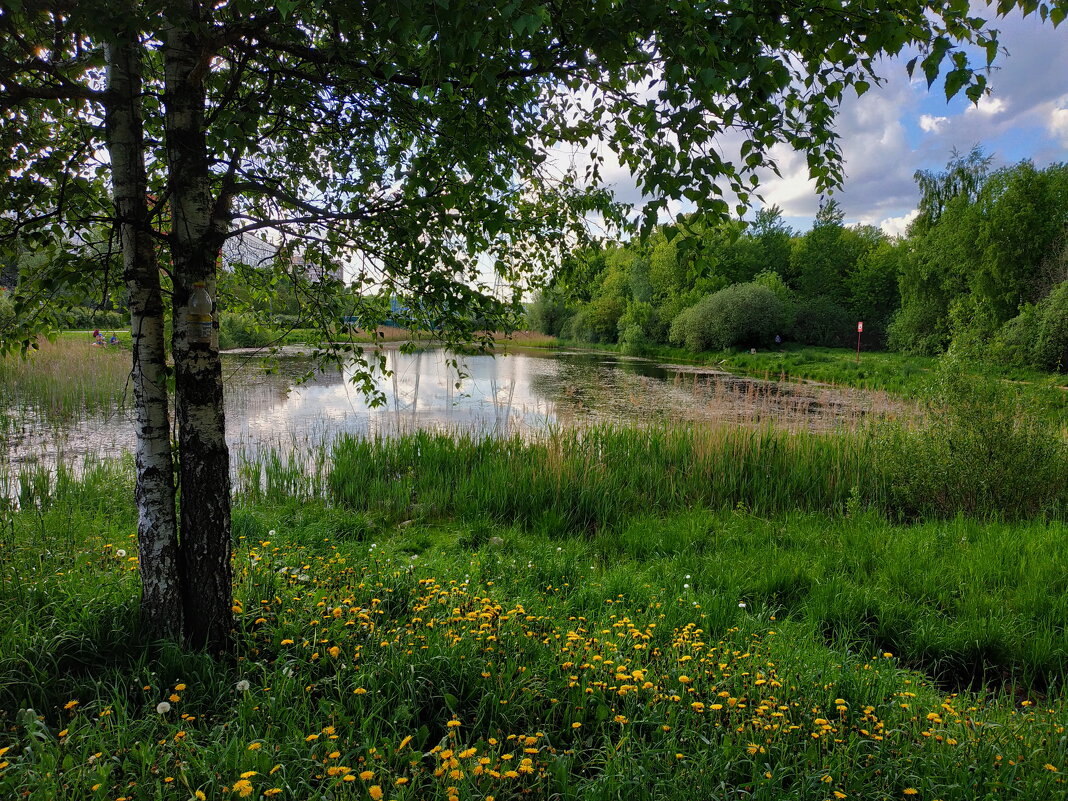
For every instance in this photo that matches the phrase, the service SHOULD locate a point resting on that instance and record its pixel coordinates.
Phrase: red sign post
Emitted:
(860, 330)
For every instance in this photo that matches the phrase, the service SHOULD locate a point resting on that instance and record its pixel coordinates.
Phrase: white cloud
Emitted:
(896, 226)
(1058, 120)
(932, 124)
(988, 106)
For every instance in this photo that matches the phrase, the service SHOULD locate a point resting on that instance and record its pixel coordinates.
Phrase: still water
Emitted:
(515, 392)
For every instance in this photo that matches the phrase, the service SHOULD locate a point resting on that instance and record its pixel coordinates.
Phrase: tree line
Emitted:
(983, 266)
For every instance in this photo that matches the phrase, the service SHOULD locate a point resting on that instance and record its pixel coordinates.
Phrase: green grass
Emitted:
(719, 652)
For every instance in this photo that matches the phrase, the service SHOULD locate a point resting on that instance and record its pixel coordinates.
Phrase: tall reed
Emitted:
(584, 480)
(65, 378)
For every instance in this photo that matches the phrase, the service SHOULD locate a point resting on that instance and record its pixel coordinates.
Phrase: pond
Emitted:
(515, 392)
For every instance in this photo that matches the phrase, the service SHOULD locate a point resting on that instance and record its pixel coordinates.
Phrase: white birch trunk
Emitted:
(204, 464)
(156, 529)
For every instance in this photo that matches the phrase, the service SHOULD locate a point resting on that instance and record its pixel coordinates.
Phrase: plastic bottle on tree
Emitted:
(198, 316)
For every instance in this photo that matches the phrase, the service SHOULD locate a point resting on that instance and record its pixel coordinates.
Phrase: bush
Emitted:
(596, 321)
(243, 331)
(547, 313)
(918, 330)
(822, 322)
(87, 317)
(1036, 337)
(978, 452)
(1050, 351)
(740, 315)
(1014, 341)
(639, 328)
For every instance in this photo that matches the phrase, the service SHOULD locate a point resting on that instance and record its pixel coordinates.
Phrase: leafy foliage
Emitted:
(740, 315)
(978, 452)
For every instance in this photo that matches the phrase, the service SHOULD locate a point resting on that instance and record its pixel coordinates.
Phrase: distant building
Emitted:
(316, 272)
(256, 252)
(248, 249)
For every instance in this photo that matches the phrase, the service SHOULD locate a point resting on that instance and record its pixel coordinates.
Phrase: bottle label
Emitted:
(198, 329)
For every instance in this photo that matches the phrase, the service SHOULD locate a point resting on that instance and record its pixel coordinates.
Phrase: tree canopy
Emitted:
(417, 142)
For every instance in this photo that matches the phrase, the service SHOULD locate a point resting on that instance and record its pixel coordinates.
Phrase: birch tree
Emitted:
(416, 141)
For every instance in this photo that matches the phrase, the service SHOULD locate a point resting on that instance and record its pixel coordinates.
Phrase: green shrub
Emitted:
(88, 317)
(243, 331)
(1014, 341)
(919, 330)
(740, 315)
(822, 322)
(978, 451)
(1050, 350)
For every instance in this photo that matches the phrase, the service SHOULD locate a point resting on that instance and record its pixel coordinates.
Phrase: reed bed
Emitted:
(585, 480)
(65, 378)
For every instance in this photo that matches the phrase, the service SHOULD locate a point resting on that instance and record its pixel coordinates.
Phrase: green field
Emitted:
(803, 656)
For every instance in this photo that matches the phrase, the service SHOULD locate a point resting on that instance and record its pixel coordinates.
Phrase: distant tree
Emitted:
(963, 177)
(819, 260)
(771, 231)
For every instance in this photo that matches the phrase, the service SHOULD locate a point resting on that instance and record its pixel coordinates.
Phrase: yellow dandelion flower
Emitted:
(452, 724)
(272, 791)
(911, 791)
(255, 746)
(375, 791)
(1049, 767)
(248, 774)
(403, 742)
(367, 775)
(70, 704)
(243, 787)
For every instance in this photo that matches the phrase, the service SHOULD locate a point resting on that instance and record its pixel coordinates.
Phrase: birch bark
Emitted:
(204, 465)
(161, 608)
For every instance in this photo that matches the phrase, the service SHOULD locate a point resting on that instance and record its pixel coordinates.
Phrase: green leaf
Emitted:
(955, 80)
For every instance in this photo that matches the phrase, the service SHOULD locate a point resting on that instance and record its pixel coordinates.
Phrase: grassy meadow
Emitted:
(710, 611)
(716, 651)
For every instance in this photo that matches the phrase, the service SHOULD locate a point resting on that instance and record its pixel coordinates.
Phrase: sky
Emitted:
(901, 126)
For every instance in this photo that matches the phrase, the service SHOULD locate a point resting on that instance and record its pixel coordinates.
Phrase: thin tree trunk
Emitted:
(204, 471)
(161, 608)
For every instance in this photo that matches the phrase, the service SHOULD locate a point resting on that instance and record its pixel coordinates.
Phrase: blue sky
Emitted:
(901, 126)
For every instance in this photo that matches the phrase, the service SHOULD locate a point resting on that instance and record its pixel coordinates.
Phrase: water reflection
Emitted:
(516, 392)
